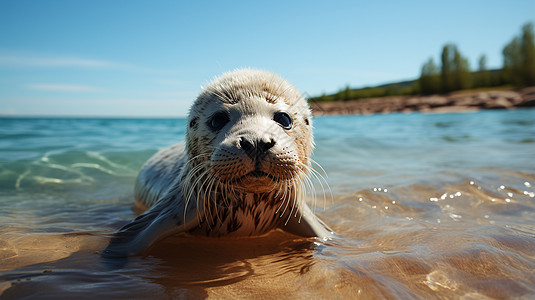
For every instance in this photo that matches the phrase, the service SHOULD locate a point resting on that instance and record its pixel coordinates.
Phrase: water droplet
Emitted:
(433, 199)
(510, 194)
(471, 182)
(385, 190)
(360, 199)
(393, 201)
(458, 194)
(527, 184)
(374, 206)
(502, 187)
(455, 217)
(386, 207)
(507, 200)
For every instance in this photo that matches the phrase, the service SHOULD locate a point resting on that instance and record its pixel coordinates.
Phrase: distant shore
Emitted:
(453, 102)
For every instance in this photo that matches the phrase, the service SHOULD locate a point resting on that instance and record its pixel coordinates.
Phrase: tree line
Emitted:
(454, 73)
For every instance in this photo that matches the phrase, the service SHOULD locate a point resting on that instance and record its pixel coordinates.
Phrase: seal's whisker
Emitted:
(192, 179)
(320, 178)
(215, 187)
(284, 199)
(292, 204)
(317, 164)
(192, 172)
(280, 197)
(196, 187)
(187, 190)
(212, 187)
(193, 159)
(205, 188)
(294, 196)
(309, 186)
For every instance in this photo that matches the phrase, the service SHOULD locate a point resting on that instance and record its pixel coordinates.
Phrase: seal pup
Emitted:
(243, 170)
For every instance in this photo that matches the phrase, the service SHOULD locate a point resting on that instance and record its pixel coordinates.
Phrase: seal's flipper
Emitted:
(305, 223)
(169, 216)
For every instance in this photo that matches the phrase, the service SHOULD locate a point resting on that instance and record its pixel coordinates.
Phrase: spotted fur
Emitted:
(243, 174)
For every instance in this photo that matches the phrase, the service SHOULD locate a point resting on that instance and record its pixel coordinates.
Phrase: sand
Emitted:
(453, 102)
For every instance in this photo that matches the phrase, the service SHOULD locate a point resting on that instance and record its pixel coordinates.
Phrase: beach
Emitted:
(452, 102)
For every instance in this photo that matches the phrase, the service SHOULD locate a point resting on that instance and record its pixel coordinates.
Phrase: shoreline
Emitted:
(460, 101)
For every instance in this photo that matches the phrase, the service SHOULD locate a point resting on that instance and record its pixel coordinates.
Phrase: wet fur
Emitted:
(204, 187)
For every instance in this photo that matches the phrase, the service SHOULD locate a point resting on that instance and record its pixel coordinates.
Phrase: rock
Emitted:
(499, 103)
(469, 101)
(453, 102)
(528, 103)
(438, 101)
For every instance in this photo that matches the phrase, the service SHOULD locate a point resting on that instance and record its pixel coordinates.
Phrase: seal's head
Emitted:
(250, 130)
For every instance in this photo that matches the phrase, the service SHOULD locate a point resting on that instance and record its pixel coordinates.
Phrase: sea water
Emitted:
(423, 205)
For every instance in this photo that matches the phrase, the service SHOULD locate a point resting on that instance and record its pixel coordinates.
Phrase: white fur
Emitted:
(213, 186)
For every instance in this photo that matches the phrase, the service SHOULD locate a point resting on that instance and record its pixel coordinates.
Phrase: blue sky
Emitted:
(150, 58)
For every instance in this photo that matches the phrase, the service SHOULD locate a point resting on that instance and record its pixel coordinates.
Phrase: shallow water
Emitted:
(425, 206)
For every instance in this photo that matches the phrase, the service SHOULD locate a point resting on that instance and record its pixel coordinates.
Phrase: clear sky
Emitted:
(150, 58)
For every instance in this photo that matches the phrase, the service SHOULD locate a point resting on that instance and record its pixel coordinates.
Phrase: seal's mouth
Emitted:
(255, 174)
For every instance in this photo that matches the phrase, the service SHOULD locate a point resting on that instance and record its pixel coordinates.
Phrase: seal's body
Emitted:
(243, 170)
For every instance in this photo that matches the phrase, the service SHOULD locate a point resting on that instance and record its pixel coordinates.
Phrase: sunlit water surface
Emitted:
(425, 206)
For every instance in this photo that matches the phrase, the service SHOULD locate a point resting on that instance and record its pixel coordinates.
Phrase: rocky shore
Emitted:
(453, 102)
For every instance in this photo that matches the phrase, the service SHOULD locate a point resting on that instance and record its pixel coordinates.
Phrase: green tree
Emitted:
(512, 62)
(455, 71)
(430, 78)
(519, 58)
(528, 54)
(483, 75)
(346, 93)
(462, 78)
(446, 71)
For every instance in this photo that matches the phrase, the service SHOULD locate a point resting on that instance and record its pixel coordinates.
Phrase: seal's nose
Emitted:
(256, 148)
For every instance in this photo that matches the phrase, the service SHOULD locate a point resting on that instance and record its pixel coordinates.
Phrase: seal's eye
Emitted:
(218, 120)
(193, 122)
(283, 119)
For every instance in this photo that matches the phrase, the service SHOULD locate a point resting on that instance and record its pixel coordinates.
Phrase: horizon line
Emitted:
(74, 116)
